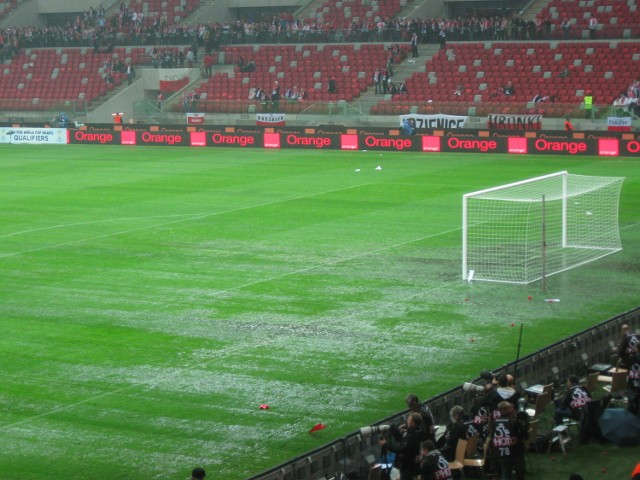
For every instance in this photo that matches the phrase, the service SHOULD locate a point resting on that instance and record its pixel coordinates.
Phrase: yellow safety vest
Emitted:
(588, 101)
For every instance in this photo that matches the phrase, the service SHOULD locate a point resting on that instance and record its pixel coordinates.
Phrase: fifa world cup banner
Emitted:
(496, 121)
(173, 79)
(619, 124)
(271, 119)
(33, 135)
(434, 122)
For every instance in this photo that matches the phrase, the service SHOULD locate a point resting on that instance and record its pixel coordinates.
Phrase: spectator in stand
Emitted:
(508, 89)
(566, 27)
(564, 73)
(402, 89)
(459, 90)
(331, 88)
(208, 65)
(377, 81)
(414, 45)
(593, 27)
(621, 104)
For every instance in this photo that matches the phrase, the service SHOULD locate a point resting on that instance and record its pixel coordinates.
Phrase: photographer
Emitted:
(406, 446)
(504, 392)
(458, 428)
(433, 465)
(508, 433)
(573, 401)
(428, 427)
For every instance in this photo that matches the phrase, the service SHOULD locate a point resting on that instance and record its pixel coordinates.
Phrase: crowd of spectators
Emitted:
(628, 101)
(100, 29)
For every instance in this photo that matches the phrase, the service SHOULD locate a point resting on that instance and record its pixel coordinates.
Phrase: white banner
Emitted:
(619, 124)
(270, 119)
(33, 135)
(496, 121)
(195, 118)
(431, 122)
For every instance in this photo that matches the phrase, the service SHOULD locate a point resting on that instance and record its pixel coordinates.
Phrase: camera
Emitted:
(487, 375)
(367, 432)
(472, 388)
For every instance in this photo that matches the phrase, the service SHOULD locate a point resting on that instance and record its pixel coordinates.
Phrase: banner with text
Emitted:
(434, 122)
(195, 118)
(271, 119)
(497, 121)
(33, 135)
(619, 124)
(173, 79)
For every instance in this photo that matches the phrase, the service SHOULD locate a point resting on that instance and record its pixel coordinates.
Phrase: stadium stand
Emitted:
(41, 79)
(534, 68)
(6, 6)
(615, 19)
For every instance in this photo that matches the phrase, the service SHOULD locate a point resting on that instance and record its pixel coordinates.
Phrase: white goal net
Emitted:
(525, 231)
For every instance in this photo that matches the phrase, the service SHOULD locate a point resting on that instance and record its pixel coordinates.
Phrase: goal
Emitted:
(527, 230)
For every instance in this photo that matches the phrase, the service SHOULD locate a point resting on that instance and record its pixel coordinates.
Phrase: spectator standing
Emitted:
(414, 45)
(593, 27)
(442, 38)
(332, 85)
(208, 65)
(568, 126)
(377, 81)
(566, 27)
(131, 73)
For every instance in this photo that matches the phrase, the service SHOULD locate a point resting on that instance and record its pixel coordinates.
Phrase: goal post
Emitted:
(527, 230)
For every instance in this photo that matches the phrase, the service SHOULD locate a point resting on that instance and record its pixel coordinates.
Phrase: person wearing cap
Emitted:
(198, 473)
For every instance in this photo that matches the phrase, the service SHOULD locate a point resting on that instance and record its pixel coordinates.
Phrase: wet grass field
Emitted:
(153, 298)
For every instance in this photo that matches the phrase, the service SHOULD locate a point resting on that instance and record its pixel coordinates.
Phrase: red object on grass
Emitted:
(316, 427)
(264, 406)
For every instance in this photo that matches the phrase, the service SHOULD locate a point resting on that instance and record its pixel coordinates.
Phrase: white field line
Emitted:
(237, 346)
(190, 217)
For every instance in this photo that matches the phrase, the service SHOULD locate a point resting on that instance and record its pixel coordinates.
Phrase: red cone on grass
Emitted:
(316, 427)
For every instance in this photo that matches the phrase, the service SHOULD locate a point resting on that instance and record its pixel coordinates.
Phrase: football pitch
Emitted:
(153, 298)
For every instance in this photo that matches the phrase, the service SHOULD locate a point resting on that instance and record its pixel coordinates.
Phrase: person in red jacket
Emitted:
(568, 125)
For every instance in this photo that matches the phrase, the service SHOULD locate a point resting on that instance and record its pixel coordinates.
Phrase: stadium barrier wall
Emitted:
(389, 140)
(573, 355)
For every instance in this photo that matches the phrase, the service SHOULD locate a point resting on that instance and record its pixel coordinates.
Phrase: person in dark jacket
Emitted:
(406, 446)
